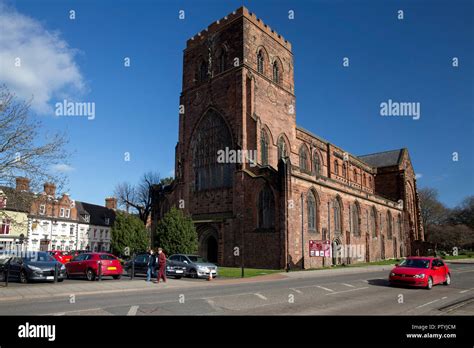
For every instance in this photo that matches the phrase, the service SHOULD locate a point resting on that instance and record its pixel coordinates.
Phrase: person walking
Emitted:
(161, 265)
(151, 265)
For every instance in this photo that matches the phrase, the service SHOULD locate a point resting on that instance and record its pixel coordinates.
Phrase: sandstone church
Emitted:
(238, 93)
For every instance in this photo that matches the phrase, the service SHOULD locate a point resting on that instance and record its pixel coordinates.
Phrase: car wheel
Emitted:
(429, 285)
(23, 277)
(177, 277)
(117, 277)
(448, 279)
(90, 275)
(193, 273)
(61, 280)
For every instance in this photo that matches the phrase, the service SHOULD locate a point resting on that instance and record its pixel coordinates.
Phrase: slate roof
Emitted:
(383, 159)
(97, 214)
(17, 201)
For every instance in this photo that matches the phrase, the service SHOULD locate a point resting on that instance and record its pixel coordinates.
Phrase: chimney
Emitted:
(50, 189)
(111, 203)
(22, 184)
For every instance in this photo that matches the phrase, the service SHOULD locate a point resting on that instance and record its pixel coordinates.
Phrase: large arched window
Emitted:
(222, 61)
(399, 224)
(264, 147)
(282, 151)
(210, 139)
(316, 163)
(336, 206)
(303, 158)
(276, 72)
(373, 222)
(389, 225)
(355, 222)
(260, 62)
(312, 212)
(266, 208)
(203, 71)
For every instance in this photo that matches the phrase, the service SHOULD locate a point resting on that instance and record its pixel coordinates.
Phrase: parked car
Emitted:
(30, 266)
(87, 265)
(196, 266)
(4, 258)
(421, 272)
(62, 256)
(75, 253)
(173, 269)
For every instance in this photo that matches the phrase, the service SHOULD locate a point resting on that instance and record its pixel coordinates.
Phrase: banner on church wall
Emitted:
(319, 248)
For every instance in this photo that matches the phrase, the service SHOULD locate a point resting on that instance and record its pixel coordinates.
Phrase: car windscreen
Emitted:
(415, 263)
(107, 257)
(38, 257)
(194, 258)
(4, 258)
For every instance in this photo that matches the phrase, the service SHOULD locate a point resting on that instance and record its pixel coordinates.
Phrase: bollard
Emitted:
(56, 272)
(100, 271)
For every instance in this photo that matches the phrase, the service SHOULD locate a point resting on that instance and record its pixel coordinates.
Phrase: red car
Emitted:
(420, 271)
(61, 256)
(87, 265)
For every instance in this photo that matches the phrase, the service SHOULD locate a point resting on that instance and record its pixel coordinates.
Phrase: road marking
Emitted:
(349, 285)
(464, 291)
(322, 287)
(426, 304)
(59, 314)
(261, 296)
(365, 281)
(445, 297)
(133, 310)
(213, 305)
(340, 292)
(296, 290)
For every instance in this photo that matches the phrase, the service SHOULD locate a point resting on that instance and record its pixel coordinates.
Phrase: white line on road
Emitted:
(133, 310)
(261, 296)
(296, 290)
(340, 292)
(213, 305)
(322, 287)
(426, 304)
(464, 291)
(349, 285)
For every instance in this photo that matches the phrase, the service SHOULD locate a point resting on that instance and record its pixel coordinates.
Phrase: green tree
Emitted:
(128, 231)
(176, 233)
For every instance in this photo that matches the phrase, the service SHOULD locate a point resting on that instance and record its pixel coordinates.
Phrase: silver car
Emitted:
(196, 266)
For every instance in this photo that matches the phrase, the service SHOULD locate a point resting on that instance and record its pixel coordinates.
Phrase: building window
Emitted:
(312, 213)
(71, 231)
(211, 137)
(276, 73)
(260, 62)
(337, 215)
(303, 158)
(61, 212)
(264, 147)
(203, 72)
(355, 175)
(68, 213)
(389, 225)
(266, 208)
(5, 226)
(282, 152)
(344, 170)
(399, 223)
(336, 167)
(355, 224)
(222, 61)
(42, 209)
(316, 164)
(373, 222)
(364, 182)
(370, 181)
(87, 218)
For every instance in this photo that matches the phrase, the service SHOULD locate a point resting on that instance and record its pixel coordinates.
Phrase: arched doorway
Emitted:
(211, 249)
(208, 243)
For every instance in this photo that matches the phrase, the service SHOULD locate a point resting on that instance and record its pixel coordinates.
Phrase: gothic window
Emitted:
(222, 61)
(399, 224)
(336, 206)
(312, 212)
(355, 175)
(373, 222)
(266, 208)
(344, 170)
(389, 225)
(203, 73)
(355, 225)
(370, 181)
(364, 182)
(211, 136)
(276, 73)
(282, 151)
(264, 147)
(303, 158)
(316, 163)
(336, 167)
(260, 62)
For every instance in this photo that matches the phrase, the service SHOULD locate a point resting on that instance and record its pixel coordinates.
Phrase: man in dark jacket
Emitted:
(161, 265)
(151, 265)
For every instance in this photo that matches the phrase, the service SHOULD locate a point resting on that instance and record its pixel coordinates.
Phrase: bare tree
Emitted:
(138, 197)
(433, 212)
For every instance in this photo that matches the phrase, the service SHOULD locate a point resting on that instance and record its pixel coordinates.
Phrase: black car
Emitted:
(173, 269)
(30, 266)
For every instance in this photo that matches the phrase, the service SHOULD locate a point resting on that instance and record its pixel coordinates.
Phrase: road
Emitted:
(356, 293)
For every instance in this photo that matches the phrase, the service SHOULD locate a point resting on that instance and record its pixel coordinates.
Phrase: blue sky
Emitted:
(136, 107)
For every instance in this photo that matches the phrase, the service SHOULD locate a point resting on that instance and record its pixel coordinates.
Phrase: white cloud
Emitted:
(62, 168)
(418, 176)
(48, 68)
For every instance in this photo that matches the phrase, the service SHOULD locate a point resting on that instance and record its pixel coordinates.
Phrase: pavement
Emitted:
(342, 291)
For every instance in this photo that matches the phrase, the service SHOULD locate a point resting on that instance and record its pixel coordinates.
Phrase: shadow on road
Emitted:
(379, 282)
